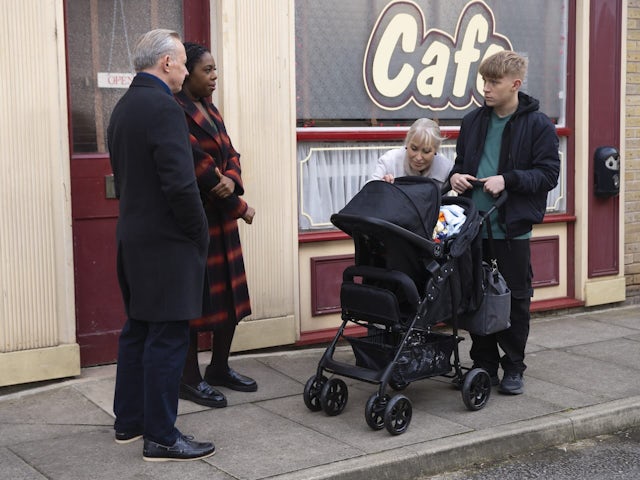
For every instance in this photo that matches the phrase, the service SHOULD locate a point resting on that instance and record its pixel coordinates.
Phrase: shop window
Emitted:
(366, 69)
(101, 35)
(331, 174)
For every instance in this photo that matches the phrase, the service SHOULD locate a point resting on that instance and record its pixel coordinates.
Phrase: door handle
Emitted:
(109, 186)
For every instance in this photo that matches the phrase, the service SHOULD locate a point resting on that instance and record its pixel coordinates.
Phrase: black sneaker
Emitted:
(184, 449)
(512, 383)
(127, 437)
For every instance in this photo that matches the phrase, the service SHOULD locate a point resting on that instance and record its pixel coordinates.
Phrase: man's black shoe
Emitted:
(203, 394)
(231, 379)
(127, 437)
(512, 384)
(184, 449)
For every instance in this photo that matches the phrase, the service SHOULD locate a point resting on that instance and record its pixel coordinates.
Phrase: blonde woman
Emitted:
(418, 157)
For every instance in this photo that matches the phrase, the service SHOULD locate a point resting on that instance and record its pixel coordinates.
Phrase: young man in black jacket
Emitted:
(508, 145)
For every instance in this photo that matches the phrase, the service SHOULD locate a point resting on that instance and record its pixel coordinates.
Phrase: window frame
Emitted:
(396, 134)
(196, 26)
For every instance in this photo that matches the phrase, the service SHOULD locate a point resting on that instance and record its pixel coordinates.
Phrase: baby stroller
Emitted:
(402, 284)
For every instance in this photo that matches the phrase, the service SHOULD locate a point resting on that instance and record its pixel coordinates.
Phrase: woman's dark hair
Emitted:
(194, 53)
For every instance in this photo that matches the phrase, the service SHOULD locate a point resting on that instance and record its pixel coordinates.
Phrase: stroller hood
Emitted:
(412, 203)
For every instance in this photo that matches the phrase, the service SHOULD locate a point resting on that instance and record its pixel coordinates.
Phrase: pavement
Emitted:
(583, 379)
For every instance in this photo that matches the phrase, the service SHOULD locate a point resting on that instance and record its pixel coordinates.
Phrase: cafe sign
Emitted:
(407, 62)
(386, 60)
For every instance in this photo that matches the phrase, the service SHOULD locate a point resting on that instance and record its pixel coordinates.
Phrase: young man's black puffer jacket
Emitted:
(529, 161)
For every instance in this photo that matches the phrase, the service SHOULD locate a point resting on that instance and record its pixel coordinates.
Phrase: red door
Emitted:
(99, 311)
(100, 38)
(604, 130)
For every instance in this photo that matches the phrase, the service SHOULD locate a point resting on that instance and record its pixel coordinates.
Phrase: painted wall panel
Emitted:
(36, 263)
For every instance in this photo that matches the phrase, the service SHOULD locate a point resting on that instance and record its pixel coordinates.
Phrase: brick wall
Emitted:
(631, 160)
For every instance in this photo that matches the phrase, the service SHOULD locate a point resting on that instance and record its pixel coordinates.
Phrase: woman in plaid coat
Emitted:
(218, 173)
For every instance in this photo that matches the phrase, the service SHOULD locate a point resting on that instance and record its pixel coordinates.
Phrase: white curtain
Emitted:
(331, 173)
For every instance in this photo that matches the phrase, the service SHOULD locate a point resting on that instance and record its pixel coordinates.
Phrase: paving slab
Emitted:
(351, 428)
(300, 365)
(625, 317)
(13, 467)
(574, 330)
(96, 456)
(100, 392)
(64, 406)
(254, 442)
(582, 374)
(13, 434)
(500, 409)
(559, 395)
(619, 351)
(271, 382)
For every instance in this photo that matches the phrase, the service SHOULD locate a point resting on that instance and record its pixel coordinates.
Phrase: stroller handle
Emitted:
(499, 201)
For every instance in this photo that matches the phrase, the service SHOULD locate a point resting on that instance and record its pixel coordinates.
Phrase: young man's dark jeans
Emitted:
(514, 262)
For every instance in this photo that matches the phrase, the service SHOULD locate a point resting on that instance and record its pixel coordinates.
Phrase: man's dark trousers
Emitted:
(151, 357)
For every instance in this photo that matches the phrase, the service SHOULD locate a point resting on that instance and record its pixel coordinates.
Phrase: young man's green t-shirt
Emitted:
(489, 167)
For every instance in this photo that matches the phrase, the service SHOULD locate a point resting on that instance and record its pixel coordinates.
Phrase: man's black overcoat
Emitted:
(162, 228)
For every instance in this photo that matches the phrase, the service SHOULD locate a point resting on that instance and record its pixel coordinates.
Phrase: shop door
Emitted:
(100, 39)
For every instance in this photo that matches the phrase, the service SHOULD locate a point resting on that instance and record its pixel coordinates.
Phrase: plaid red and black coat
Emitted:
(212, 148)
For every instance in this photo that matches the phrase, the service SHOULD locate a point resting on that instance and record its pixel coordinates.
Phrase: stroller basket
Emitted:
(424, 354)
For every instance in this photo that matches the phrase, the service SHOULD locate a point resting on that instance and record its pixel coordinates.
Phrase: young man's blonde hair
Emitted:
(503, 64)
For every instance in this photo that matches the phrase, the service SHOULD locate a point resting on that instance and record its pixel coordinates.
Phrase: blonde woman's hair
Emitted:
(503, 64)
(424, 131)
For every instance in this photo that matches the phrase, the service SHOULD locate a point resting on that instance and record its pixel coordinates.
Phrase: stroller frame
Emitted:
(400, 346)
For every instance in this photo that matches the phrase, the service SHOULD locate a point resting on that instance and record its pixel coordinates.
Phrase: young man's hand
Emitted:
(493, 185)
(461, 182)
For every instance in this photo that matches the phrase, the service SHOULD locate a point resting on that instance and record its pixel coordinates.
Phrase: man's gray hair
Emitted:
(153, 45)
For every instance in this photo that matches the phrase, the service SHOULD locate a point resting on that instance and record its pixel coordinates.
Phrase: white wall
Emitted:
(255, 57)
(37, 312)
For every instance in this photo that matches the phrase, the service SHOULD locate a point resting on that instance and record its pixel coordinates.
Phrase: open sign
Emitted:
(114, 80)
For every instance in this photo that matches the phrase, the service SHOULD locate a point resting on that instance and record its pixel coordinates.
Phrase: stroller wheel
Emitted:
(397, 415)
(476, 389)
(312, 391)
(374, 411)
(334, 396)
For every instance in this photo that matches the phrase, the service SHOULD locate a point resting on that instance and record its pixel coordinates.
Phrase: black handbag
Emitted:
(494, 313)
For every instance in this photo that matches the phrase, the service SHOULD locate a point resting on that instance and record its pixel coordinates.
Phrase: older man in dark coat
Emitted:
(162, 249)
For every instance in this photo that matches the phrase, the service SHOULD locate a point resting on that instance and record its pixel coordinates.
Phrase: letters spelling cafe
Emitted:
(312, 94)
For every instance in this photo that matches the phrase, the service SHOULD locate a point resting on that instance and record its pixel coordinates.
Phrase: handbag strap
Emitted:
(492, 251)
